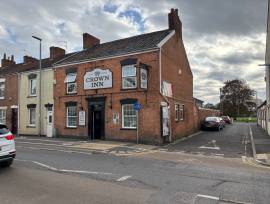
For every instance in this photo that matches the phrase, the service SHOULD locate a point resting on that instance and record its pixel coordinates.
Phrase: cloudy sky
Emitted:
(224, 39)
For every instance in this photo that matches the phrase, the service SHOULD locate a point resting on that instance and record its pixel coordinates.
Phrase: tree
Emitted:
(238, 94)
(209, 106)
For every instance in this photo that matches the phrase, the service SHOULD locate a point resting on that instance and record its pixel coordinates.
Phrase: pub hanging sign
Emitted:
(98, 79)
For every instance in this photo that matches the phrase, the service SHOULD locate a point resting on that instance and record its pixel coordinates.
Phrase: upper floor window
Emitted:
(70, 81)
(129, 79)
(33, 86)
(2, 90)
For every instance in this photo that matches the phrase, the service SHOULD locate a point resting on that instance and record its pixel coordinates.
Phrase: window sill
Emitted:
(31, 96)
(75, 93)
(71, 127)
(2, 98)
(128, 89)
(128, 128)
(30, 126)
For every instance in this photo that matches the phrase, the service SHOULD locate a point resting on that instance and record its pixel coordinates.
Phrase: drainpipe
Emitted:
(18, 103)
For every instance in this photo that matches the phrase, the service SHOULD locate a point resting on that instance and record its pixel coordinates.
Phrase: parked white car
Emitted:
(7, 146)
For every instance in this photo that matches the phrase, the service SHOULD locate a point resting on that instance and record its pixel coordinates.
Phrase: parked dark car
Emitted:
(227, 119)
(212, 123)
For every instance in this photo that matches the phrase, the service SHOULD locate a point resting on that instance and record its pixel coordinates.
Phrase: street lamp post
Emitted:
(39, 115)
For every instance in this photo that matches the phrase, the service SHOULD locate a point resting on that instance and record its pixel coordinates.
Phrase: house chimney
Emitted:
(89, 41)
(175, 22)
(56, 52)
(29, 59)
(5, 62)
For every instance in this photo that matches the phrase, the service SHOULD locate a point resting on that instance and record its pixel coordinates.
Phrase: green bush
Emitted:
(246, 119)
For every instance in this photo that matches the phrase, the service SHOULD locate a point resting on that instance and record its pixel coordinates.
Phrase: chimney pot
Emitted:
(175, 22)
(5, 62)
(89, 41)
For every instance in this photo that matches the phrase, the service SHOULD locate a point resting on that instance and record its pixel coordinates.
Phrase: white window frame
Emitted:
(177, 112)
(4, 115)
(29, 117)
(182, 110)
(67, 117)
(31, 87)
(75, 89)
(123, 117)
(129, 76)
(3, 89)
(71, 80)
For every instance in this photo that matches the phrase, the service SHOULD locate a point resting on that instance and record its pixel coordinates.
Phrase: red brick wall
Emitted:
(203, 113)
(150, 100)
(11, 96)
(176, 70)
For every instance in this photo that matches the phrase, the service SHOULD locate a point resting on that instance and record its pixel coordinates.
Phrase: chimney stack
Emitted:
(175, 22)
(56, 52)
(89, 41)
(5, 62)
(28, 59)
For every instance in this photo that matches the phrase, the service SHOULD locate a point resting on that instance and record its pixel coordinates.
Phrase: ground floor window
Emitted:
(129, 116)
(71, 116)
(3, 116)
(32, 116)
(181, 112)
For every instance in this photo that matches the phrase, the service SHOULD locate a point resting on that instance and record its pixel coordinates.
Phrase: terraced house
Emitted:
(96, 88)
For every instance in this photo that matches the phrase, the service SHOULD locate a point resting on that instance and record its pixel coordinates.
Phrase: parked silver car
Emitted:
(7, 146)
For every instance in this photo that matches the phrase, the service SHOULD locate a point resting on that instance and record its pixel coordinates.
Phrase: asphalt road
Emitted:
(173, 176)
(231, 142)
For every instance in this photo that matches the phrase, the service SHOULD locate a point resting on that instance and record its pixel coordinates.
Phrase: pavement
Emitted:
(260, 144)
(96, 146)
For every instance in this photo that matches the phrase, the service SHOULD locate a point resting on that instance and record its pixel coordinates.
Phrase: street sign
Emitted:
(137, 106)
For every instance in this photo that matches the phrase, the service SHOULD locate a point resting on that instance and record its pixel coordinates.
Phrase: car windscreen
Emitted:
(209, 119)
(3, 129)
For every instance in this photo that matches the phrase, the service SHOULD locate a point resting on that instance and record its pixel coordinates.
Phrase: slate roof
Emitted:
(23, 67)
(133, 44)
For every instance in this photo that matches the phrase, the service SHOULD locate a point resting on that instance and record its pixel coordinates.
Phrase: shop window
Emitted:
(32, 117)
(129, 116)
(129, 79)
(70, 81)
(3, 116)
(33, 86)
(71, 116)
(2, 90)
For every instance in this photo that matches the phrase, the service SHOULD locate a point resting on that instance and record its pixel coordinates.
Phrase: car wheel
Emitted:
(7, 163)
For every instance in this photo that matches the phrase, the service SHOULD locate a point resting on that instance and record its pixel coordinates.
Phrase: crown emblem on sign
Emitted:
(97, 73)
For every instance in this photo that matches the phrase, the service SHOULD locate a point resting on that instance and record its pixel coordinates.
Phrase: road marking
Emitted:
(37, 143)
(204, 147)
(207, 196)
(59, 150)
(64, 170)
(123, 178)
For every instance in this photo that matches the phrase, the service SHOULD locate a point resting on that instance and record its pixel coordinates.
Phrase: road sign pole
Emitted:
(137, 126)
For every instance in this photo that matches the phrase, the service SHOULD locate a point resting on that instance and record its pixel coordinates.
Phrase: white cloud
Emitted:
(224, 39)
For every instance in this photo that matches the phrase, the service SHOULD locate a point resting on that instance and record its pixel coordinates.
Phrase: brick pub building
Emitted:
(95, 89)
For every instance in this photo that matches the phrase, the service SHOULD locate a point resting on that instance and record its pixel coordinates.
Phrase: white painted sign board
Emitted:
(98, 79)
